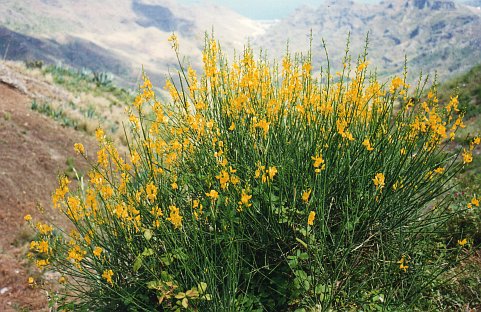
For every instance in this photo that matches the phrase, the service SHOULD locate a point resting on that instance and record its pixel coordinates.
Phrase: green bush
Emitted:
(263, 187)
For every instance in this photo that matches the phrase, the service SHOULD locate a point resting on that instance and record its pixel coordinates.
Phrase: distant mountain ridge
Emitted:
(122, 36)
(74, 52)
(442, 36)
(134, 32)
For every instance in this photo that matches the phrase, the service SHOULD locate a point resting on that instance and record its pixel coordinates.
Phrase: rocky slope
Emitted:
(122, 36)
(134, 32)
(442, 36)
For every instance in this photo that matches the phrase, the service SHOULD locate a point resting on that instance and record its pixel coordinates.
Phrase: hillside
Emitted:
(468, 87)
(133, 32)
(442, 35)
(34, 149)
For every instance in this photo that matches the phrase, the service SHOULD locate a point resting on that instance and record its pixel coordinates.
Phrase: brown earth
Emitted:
(33, 151)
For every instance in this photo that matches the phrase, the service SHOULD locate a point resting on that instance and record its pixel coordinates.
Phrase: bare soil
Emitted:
(33, 151)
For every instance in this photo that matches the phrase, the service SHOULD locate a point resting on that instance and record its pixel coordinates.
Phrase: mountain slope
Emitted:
(75, 52)
(435, 35)
(34, 149)
(121, 36)
(132, 31)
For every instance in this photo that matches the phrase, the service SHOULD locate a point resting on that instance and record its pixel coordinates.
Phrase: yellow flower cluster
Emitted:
(310, 219)
(151, 190)
(107, 275)
(175, 217)
(468, 154)
(474, 202)
(403, 263)
(60, 192)
(379, 181)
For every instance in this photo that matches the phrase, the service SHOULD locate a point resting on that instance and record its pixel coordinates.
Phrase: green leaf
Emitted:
(148, 234)
(185, 303)
(154, 285)
(320, 288)
(137, 263)
(147, 252)
(293, 263)
(167, 259)
(307, 285)
(301, 274)
(303, 256)
(202, 287)
(192, 293)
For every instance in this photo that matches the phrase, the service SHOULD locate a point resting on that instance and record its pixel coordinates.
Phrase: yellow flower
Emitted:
(97, 251)
(223, 178)
(27, 218)
(174, 186)
(403, 263)
(107, 275)
(462, 242)
(475, 201)
(379, 180)
(467, 157)
(245, 199)
(44, 229)
(396, 83)
(319, 162)
(42, 246)
(476, 141)
(76, 254)
(156, 211)
(134, 157)
(259, 170)
(79, 148)
(151, 191)
(102, 158)
(60, 192)
(264, 125)
(362, 66)
(272, 172)
(99, 134)
(31, 281)
(234, 179)
(310, 219)
(213, 194)
(367, 144)
(439, 170)
(397, 185)
(173, 41)
(175, 218)
(232, 126)
(42, 263)
(305, 195)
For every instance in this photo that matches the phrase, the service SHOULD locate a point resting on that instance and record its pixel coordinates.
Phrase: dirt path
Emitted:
(33, 151)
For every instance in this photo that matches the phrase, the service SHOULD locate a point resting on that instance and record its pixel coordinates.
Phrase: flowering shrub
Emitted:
(260, 186)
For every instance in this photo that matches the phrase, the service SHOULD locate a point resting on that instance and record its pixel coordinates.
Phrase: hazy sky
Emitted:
(264, 9)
